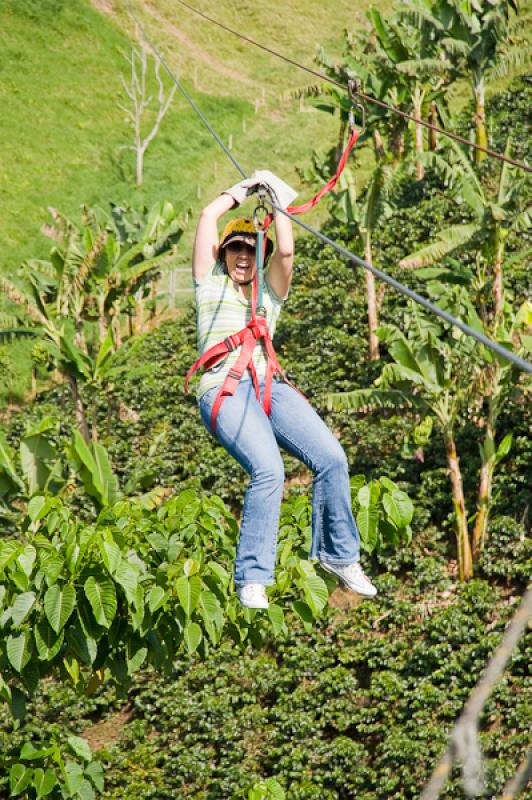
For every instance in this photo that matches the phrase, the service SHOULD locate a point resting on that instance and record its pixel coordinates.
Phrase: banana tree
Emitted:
(474, 39)
(362, 216)
(493, 382)
(494, 216)
(406, 53)
(101, 265)
(428, 376)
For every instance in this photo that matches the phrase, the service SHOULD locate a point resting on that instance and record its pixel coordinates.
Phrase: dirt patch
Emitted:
(105, 733)
(344, 600)
(105, 6)
(197, 51)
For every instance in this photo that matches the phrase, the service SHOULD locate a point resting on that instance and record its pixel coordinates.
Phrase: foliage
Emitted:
(40, 467)
(356, 706)
(50, 771)
(145, 583)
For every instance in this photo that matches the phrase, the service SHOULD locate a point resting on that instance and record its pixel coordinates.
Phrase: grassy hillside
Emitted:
(63, 137)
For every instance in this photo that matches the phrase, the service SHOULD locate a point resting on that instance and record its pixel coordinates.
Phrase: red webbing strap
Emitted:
(214, 355)
(234, 375)
(331, 183)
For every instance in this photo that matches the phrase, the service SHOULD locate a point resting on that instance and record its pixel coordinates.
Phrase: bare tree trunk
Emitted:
(484, 501)
(102, 321)
(486, 476)
(373, 323)
(33, 383)
(139, 312)
(433, 136)
(117, 330)
(481, 134)
(497, 277)
(153, 299)
(94, 420)
(397, 142)
(418, 103)
(79, 339)
(465, 561)
(379, 145)
(137, 94)
(81, 419)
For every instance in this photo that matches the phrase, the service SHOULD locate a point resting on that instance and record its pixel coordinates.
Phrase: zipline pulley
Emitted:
(261, 213)
(261, 219)
(355, 86)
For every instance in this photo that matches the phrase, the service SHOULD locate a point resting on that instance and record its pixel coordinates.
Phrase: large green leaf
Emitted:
(276, 616)
(82, 643)
(59, 603)
(95, 470)
(8, 552)
(156, 598)
(316, 594)
(19, 649)
(80, 747)
(95, 772)
(106, 477)
(365, 400)
(128, 577)
(111, 555)
(26, 559)
(136, 653)
(188, 591)
(47, 641)
(192, 636)
(44, 782)
(19, 779)
(22, 607)
(37, 456)
(367, 521)
(448, 240)
(7, 464)
(101, 594)
(399, 507)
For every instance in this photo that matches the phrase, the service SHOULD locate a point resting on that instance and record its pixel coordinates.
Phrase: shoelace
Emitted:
(254, 592)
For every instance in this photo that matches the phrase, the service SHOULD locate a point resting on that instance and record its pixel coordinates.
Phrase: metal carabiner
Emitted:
(353, 87)
(261, 208)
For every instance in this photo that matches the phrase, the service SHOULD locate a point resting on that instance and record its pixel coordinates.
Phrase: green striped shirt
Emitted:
(222, 311)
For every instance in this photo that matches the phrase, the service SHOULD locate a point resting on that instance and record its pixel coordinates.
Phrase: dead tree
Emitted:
(136, 91)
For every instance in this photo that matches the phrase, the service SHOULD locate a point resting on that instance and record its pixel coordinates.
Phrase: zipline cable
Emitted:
(526, 366)
(493, 153)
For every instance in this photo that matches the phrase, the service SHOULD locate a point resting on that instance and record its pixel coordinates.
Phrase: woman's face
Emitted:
(240, 261)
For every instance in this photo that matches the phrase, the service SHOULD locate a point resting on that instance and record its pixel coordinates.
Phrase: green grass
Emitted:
(63, 136)
(64, 140)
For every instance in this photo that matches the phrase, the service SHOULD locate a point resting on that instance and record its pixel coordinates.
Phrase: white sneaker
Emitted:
(252, 595)
(352, 576)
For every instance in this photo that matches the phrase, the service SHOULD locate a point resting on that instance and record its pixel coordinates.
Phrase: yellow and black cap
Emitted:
(243, 230)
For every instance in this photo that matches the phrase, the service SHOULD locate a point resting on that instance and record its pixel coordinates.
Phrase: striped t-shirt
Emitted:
(222, 311)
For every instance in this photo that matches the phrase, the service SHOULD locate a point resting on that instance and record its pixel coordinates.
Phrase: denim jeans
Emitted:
(253, 439)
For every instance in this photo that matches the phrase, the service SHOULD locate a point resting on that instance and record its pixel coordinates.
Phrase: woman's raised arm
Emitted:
(206, 240)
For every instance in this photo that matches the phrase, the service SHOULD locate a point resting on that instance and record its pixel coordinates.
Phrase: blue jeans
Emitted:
(252, 438)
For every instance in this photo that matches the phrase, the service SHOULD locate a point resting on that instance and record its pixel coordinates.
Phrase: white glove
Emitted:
(282, 193)
(238, 192)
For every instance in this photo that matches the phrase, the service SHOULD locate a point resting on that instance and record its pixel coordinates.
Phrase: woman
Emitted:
(223, 272)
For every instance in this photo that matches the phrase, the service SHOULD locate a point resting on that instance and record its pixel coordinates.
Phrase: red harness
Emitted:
(257, 327)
